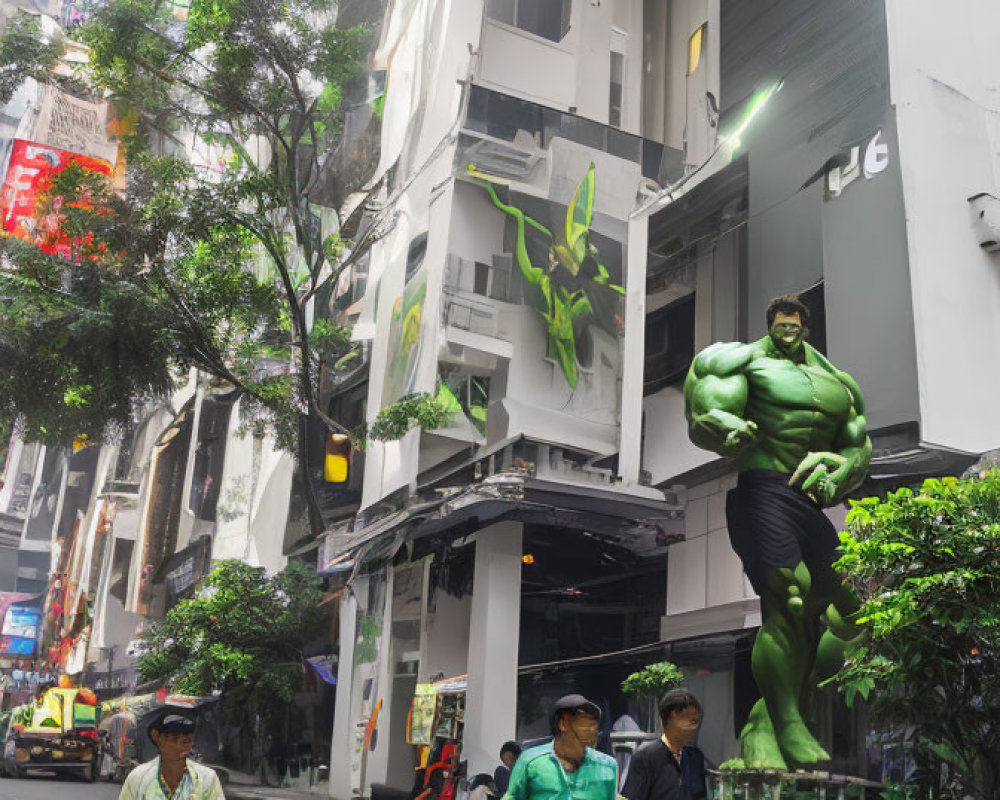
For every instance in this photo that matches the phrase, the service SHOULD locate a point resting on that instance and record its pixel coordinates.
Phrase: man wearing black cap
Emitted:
(171, 776)
(568, 767)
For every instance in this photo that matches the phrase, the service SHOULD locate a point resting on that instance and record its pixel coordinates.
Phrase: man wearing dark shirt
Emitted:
(672, 767)
(508, 757)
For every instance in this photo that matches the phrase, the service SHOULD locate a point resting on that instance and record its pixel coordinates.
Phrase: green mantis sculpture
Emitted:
(559, 307)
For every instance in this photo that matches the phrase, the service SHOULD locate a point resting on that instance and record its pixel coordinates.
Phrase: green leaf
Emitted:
(579, 216)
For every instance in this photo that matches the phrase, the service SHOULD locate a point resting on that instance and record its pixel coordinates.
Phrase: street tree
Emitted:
(115, 290)
(651, 682)
(244, 635)
(926, 565)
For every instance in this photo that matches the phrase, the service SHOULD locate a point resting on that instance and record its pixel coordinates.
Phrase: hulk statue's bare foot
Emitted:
(793, 746)
(760, 745)
(799, 746)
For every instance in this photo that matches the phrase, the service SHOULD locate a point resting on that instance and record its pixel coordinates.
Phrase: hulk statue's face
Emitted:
(788, 334)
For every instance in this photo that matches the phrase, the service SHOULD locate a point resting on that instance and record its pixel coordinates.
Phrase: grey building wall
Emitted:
(869, 310)
(8, 569)
(833, 64)
(33, 571)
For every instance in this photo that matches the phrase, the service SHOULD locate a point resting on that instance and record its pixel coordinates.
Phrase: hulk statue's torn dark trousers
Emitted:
(788, 548)
(772, 526)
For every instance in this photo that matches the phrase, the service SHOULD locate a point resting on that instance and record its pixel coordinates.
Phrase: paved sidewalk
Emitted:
(240, 788)
(242, 792)
(247, 786)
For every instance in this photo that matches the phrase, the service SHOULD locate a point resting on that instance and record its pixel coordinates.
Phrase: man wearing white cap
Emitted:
(171, 775)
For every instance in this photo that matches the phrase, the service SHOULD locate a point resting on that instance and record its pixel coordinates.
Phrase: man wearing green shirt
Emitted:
(568, 767)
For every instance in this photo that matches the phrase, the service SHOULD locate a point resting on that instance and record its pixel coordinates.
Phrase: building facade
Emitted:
(737, 151)
(565, 200)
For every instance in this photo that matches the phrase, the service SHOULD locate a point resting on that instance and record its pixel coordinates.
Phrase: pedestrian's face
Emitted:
(681, 727)
(582, 724)
(788, 333)
(173, 747)
(509, 759)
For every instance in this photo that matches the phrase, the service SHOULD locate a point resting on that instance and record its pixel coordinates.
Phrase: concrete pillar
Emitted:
(376, 766)
(491, 698)
(633, 346)
(343, 720)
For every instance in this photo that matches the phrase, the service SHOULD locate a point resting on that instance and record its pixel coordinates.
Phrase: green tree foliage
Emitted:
(243, 635)
(653, 681)
(926, 565)
(23, 53)
(211, 266)
(421, 410)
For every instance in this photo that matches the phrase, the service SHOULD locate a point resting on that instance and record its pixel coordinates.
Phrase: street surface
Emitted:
(46, 787)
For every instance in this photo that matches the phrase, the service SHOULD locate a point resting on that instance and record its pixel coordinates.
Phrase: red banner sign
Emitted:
(29, 176)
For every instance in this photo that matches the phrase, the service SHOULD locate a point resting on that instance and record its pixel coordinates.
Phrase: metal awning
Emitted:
(632, 522)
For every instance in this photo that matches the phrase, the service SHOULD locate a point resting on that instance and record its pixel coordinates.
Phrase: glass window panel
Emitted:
(501, 10)
(695, 45)
(616, 90)
(546, 18)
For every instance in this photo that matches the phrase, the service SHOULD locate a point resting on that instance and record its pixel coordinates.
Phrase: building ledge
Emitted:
(738, 615)
(477, 341)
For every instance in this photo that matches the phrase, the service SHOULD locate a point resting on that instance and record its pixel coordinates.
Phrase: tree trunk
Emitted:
(316, 524)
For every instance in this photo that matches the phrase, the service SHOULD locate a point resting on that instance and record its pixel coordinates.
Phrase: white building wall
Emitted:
(573, 74)
(429, 54)
(517, 62)
(12, 470)
(341, 781)
(707, 591)
(375, 766)
(491, 699)
(254, 497)
(189, 527)
(445, 646)
(146, 452)
(593, 60)
(667, 450)
(87, 546)
(627, 38)
(945, 81)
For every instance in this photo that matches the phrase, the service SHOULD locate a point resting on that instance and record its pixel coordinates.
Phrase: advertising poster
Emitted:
(568, 274)
(405, 341)
(20, 631)
(29, 176)
(542, 278)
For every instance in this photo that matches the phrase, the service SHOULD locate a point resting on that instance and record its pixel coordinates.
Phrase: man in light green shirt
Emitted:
(172, 776)
(568, 767)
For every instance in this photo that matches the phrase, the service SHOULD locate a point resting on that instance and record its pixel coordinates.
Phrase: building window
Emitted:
(546, 18)
(696, 45)
(616, 93)
(669, 345)
(210, 455)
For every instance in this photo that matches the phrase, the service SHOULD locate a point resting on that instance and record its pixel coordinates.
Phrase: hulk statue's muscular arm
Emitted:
(715, 397)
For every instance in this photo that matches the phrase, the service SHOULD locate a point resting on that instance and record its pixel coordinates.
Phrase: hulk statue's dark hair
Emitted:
(787, 304)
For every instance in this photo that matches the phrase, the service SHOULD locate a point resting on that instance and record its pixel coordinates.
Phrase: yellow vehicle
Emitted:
(56, 732)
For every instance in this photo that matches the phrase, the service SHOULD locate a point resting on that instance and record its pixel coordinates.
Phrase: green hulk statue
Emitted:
(795, 426)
